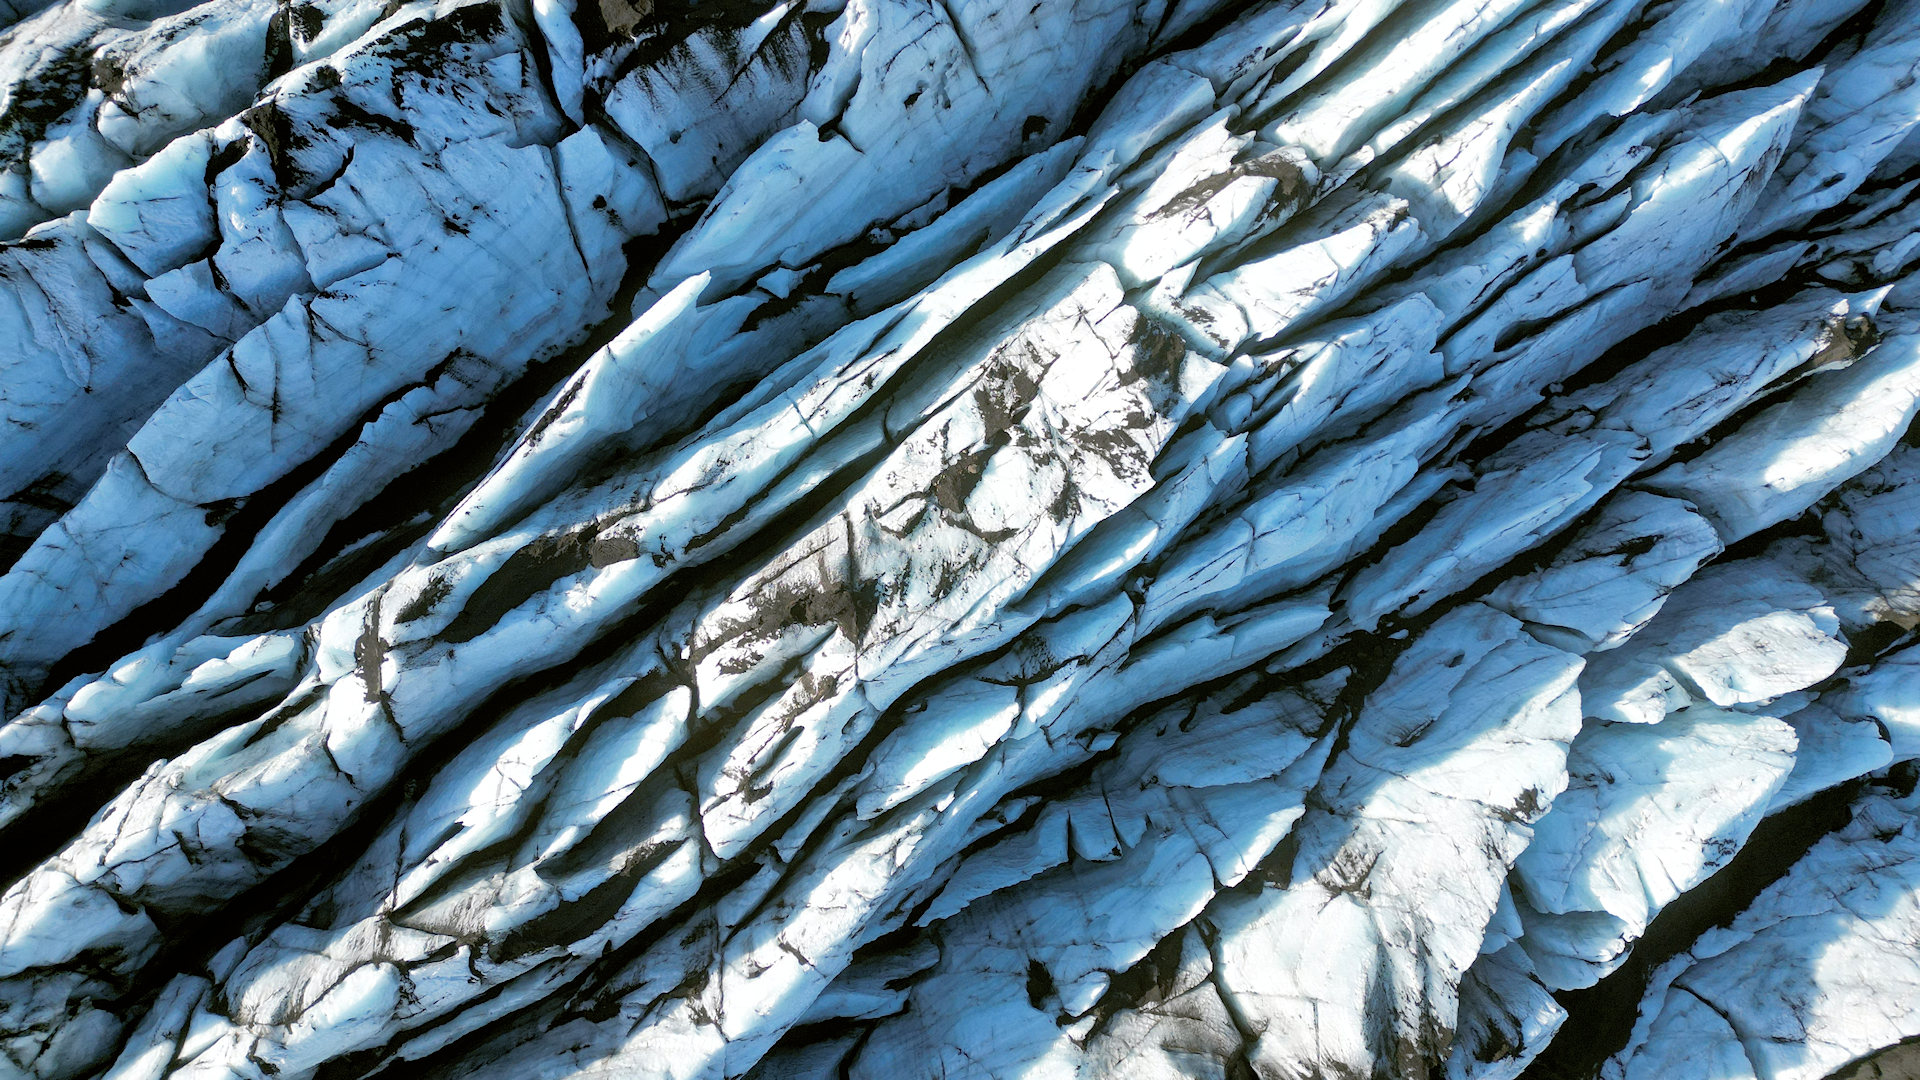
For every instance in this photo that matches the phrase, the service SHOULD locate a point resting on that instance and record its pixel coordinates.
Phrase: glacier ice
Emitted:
(548, 539)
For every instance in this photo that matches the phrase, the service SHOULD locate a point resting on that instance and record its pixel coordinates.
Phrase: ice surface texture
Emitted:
(549, 539)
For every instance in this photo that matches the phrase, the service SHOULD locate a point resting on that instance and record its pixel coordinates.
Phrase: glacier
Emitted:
(878, 539)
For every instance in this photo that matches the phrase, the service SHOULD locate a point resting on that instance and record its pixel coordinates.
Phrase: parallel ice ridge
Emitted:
(958, 538)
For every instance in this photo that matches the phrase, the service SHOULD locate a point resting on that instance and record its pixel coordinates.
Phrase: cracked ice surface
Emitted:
(953, 538)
